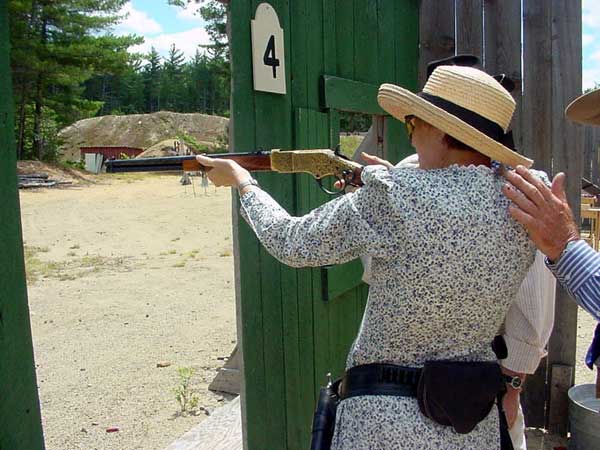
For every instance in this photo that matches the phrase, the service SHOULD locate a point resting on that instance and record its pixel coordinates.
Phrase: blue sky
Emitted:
(163, 25)
(591, 43)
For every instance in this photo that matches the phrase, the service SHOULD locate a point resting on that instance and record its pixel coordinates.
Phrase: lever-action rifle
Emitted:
(319, 163)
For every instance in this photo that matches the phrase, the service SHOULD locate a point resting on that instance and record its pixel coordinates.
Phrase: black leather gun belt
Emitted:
(380, 379)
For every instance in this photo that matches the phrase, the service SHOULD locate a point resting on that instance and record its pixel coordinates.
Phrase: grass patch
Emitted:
(225, 253)
(38, 268)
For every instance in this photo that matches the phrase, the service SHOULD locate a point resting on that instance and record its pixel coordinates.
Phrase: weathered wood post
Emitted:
(567, 155)
(20, 420)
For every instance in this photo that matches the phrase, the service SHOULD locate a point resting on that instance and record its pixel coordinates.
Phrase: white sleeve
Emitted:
(529, 320)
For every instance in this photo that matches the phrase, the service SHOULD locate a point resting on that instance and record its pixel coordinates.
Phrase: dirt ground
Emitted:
(126, 272)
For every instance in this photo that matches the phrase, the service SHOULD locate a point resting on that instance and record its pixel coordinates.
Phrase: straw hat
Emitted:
(464, 102)
(585, 109)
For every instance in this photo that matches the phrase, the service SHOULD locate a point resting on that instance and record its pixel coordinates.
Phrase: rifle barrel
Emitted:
(257, 161)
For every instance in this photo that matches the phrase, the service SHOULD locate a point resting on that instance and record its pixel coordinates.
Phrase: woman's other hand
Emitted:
(223, 172)
(372, 160)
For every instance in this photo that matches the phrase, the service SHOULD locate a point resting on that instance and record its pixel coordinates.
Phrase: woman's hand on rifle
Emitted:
(224, 172)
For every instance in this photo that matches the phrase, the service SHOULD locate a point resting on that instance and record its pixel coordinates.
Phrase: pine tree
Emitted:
(152, 77)
(56, 47)
(172, 86)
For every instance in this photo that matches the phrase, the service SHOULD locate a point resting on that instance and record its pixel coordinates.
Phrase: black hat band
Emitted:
(485, 126)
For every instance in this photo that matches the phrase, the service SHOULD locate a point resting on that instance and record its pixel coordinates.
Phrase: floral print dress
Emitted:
(447, 262)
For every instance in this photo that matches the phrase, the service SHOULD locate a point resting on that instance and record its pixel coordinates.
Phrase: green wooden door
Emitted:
(20, 421)
(295, 325)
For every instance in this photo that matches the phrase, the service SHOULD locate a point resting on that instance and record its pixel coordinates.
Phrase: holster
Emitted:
(324, 418)
(459, 394)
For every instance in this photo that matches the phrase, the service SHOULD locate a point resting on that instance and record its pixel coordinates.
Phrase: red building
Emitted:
(112, 152)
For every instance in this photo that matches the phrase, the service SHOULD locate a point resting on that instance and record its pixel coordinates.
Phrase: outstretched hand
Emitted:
(544, 212)
(372, 160)
(223, 172)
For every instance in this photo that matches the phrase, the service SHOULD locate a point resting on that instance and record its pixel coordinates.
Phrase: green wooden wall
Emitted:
(298, 324)
(20, 421)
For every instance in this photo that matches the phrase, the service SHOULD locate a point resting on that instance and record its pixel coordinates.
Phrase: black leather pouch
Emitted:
(459, 394)
(324, 418)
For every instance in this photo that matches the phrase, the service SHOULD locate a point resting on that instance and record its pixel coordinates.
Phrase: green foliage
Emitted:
(73, 165)
(56, 47)
(184, 393)
(192, 143)
(67, 66)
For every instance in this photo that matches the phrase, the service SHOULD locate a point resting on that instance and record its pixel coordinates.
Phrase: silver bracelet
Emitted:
(249, 182)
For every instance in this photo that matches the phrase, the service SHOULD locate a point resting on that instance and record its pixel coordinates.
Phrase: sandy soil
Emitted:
(123, 275)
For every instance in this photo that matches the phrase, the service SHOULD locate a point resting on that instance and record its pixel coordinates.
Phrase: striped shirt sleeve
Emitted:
(578, 270)
(529, 320)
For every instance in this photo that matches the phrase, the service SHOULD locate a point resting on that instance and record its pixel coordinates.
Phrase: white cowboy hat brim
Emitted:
(400, 102)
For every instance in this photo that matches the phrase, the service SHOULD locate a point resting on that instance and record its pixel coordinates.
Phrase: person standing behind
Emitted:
(550, 222)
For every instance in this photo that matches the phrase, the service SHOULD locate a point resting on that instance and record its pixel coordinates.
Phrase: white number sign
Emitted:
(268, 57)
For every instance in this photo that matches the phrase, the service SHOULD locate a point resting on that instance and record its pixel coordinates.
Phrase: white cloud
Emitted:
(186, 41)
(587, 39)
(137, 22)
(591, 76)
(189, 12)
(591, 13)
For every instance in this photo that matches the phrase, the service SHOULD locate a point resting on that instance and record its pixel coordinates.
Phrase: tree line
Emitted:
(67, 65)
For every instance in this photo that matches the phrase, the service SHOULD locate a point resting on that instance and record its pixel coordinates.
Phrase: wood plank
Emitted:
(267, 106)
(537, 79)
(229, 377)
(245, 245)
(365, 42)
(329, 37)
(502, 39)
(20, 420)
(299, 55)
(315, 52)
(348, 95)
(595, 176)
(588, 145)
(406, 42)
(406, 45)
(321, 317)
(344, 40)
(532, 397)
(469, 27)
(340, 278)
(567, 154)
(561, 380)
(305, 294)
(221, 431)
(386, 44)
(437, 33)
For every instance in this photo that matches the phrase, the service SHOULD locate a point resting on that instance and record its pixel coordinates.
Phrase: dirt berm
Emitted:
(138, 130)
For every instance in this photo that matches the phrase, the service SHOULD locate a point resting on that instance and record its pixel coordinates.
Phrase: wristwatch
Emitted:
(248, 182)
(514, 382)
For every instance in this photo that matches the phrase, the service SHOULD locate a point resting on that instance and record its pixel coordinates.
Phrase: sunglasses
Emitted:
(409, 121)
